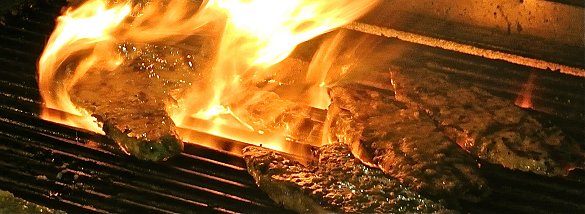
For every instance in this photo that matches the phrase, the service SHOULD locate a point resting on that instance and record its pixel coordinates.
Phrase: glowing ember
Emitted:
(253, 35)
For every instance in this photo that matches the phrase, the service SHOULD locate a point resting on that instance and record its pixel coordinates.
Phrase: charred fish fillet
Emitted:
(134, 119)
(489, 127)
(403, 142)
(336, 183)
(131, 101)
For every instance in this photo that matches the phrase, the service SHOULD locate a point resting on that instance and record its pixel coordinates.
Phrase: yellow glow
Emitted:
(252, 36)
(77, 30)
(260, 33)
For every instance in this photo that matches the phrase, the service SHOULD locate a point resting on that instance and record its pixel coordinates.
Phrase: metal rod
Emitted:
(463, 48)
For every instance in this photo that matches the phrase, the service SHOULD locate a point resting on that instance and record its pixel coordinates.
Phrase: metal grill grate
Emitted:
(75, 170)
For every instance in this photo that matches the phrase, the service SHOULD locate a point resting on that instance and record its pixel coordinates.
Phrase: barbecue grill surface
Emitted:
(75, 170)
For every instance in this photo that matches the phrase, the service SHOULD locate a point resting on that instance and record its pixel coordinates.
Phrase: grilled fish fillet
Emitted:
(337, 183)
(134, 119)
(403, 142)
(489, 127)
(131, 101)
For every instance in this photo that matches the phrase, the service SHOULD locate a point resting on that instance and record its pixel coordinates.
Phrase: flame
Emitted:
(261, 33)
(257, 35)
(319, 70)
(252, 36)
(524, 99)
(77, 30)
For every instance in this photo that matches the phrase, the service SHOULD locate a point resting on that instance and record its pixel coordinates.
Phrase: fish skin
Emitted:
(336, 183)
(404, 143)
(489, 127)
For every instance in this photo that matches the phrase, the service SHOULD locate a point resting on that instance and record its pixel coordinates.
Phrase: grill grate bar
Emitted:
(204, 166)
(13, 80)
(18, 44)
(497, 67)
(571, 66)
(15, 77)
(24, 34)
(552, 95)
(10, 64)
(19, 56)
(126, 179)
(31, 21)
(171, 184)
(479, 67)
(24, 89)
(85, 172)
(499, 193)
(19, 182)
(55, 189)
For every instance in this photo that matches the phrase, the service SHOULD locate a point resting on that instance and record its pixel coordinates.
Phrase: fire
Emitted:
(524, 98)
(261, 33)
(323, 61)
(277, 27)
(77, 30)
(252, 36)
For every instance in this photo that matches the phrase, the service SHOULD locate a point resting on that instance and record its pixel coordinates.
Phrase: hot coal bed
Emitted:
(77, 171)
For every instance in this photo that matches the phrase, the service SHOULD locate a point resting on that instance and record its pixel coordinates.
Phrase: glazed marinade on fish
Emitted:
(403, 142)
(336, 183)
(130, 102)
(489, 127)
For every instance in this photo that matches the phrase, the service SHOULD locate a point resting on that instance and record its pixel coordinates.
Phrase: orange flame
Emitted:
(261, 33)
(253, 36)
(524, 98)
(77, 30)
(320, 69)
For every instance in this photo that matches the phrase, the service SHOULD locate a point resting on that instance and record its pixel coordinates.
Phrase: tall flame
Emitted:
(258, 34)
(253, 36)
(524, 98)
(77, 30)
(261, 33)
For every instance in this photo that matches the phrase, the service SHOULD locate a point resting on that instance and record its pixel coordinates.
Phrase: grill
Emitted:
(75, 170)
